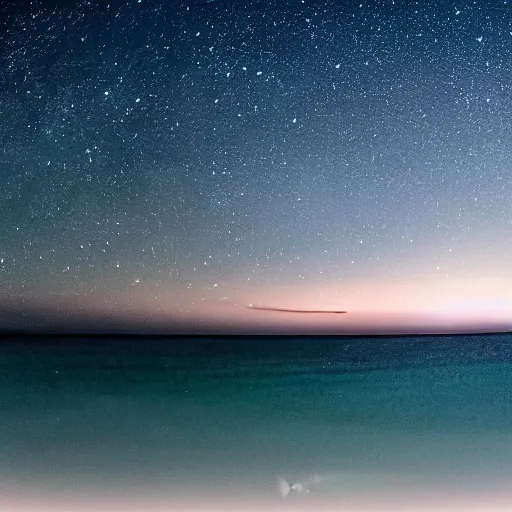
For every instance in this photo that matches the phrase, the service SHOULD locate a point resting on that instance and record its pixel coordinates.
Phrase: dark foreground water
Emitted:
(210, 423)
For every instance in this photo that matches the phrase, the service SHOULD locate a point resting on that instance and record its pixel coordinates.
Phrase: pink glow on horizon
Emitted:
(388, 305)
(380, 306)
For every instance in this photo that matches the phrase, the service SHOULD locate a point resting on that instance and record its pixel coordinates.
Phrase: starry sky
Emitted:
(166, 165)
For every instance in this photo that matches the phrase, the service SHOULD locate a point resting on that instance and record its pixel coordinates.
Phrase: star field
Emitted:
(192, 158)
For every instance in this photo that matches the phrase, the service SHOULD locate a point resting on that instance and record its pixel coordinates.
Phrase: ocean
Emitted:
(211, 423)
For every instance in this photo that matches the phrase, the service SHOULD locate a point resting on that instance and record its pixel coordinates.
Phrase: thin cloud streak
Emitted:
(285, 310)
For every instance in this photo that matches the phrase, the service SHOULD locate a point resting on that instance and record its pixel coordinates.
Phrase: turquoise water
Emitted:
(229, 415)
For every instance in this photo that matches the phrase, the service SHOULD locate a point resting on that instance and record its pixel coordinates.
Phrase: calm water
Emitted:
(220, 418)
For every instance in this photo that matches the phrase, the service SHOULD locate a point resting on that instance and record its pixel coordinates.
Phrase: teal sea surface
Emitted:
(216, 417)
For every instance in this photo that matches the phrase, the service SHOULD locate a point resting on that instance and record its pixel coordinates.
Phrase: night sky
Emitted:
(165, 165)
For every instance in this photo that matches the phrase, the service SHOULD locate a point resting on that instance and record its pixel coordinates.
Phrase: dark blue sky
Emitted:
(187, 159)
